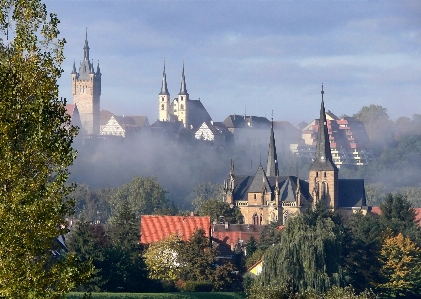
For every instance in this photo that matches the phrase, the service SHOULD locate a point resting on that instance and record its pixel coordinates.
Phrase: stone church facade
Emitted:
(86, 92)
(267, 197)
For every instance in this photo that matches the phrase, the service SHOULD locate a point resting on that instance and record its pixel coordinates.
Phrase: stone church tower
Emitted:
(86, 91)
(323, 173)
(182, 102)
(164, 99)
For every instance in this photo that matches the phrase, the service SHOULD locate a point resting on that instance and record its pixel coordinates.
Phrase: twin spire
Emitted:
(164, 87)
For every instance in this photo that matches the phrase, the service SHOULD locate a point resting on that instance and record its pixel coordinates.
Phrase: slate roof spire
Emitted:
(272, 165)
(323, 159)
(98, 70)
(74, 68)
(183, 88)
(164, 88)
(86, 47)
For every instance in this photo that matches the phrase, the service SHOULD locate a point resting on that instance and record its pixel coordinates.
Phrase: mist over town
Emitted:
(186, 149)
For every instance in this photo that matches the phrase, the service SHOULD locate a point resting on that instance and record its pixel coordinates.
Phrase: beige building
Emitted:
(191, 113)
(86, 91)
(267, 197)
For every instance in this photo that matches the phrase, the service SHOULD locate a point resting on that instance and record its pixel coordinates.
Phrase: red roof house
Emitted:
(154, 228)
(378, 211)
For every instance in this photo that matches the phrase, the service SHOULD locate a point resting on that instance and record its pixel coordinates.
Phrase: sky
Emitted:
(249, 56)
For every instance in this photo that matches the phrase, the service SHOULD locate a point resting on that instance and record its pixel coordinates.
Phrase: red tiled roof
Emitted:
(378, 211)
(154, 228)
(70, 108)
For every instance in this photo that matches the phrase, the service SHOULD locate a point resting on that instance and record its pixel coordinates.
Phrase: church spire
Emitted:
(86, 47)
(183, 88)
(164, 88)
(272, 165)
(323, 159)
(74, 68)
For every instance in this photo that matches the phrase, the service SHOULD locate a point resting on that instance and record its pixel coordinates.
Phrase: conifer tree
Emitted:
(35, 150)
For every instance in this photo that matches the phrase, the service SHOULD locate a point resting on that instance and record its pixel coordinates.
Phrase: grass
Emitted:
(183, 295)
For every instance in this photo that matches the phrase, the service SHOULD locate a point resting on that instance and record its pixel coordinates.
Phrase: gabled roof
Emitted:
(104, 117)
(244, 121)
(70, 108)
(132, 121)
(378, 211)
(154, 228)
(260, 181)
(197, 114)
(351, 193)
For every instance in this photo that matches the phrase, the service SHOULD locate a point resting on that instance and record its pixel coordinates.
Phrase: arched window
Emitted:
(162, 107)
(285, 217)
(255, 219)
(261, 219)
(162, 98)
(181, 107)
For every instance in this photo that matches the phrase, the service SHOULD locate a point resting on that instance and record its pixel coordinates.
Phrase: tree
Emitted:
(36, 150)
(309, 254)
(377, 123)
(92, 205)
(399, 216)
(207, 191)
(163, 258)
(401, 268)
(145, 196)
(218, 210)
(362, 250)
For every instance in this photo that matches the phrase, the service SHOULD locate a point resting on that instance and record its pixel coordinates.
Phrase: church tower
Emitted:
(164, 99)
(182, 102)
(323, 173)
(86, 91)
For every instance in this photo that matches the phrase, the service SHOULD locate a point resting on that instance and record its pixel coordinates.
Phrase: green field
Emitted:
(159, 296)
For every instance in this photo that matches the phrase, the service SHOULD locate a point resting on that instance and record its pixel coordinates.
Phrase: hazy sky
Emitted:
(256, 56)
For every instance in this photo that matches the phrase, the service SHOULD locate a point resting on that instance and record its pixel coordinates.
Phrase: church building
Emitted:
(267, 197)
(86, 92)
(190, 113)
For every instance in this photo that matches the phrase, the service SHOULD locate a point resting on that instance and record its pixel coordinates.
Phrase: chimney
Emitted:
(226, 225)
(192, 214)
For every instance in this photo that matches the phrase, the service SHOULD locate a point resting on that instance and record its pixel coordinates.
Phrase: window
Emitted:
(181, 107)
(254, 196)
(162, 98)
(162, 107)
(325, 173)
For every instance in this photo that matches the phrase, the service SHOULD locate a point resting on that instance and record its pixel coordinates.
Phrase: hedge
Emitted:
(183, 295)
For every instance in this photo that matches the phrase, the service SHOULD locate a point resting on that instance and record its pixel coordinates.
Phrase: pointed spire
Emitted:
(272, 165)
(164, 88)
(86, 47)
(323, 159)
(183, 88)
(98, 70)
(74, 68)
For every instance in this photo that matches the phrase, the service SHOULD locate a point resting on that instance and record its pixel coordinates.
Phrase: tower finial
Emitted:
(322, 93)
(164, 88)
(272, 163)
(183, 88)
(86, 33)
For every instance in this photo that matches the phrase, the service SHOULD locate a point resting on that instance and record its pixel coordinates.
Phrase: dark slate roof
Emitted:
(197, 114)
(351, 193)
(323, 160)
(242, 121)
(259, 181)
(238, 228)
(287, 185)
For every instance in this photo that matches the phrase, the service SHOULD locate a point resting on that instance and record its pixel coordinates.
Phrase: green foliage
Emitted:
(92, 205)
(309, 254)
(362, 250)
(219, 210)
(251, 247)
(184, 295)
(254, 258)
(163, 259)
(401, 268)
(36, 151)
(207, 191)
(145, 196)
(399, 216)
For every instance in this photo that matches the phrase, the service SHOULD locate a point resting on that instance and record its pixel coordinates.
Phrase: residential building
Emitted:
(349, 142)
(215, 132)
(125, 126)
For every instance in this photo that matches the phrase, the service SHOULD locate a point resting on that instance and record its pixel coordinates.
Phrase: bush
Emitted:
(198, 286)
